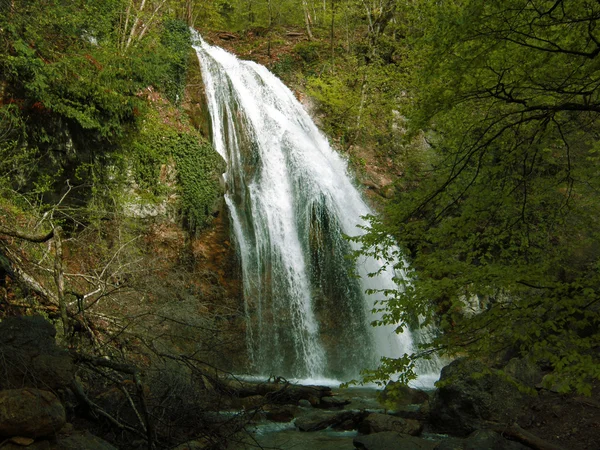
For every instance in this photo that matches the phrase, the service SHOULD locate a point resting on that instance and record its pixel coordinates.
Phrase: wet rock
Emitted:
(315, 421)
(396, 395)
(461, 405)
(481, 440)
(282, 414)
(30, 413)
(347, 420)
(333, 402)
(304, 403)
(30, 356)
(390, 440)
(376, 423)
(253, 401)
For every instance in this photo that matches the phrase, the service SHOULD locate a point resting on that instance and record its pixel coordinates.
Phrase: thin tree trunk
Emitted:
(135, 24)
(332, 31)
(59, 279)
(149, 22)
(307, 20)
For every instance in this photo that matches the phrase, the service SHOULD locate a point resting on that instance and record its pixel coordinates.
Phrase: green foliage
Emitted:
(338, 102)
(501, 229)
(159, 146)
(176, 40)
(198, 171)
(308, 51)
(78, 86)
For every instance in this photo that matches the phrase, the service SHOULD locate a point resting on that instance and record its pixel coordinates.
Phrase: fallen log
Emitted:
(517, 433)
(227, 36)
(276, 392)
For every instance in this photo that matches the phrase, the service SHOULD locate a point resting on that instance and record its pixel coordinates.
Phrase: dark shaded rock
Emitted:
(451, 444)
(22, 441)
(490, 440)
(390, 440)
(194, 445)
(30, 356)
(376, 423)
(280, 413)
(38, 445)
(315, 421)
(305, 403)
(333, 403)
(30, 413)
(83, 441)
(481, 440)
(524, 371)
(413, 412)
(251, 402)
(396, 395)
(461, 405)
(281, 393)
(347, 420)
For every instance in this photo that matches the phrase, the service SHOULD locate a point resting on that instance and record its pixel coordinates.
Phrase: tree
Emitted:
(499, 216)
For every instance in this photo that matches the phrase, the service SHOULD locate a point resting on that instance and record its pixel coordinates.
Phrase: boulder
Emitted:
(277, 413)
(376, 423)
(30, 356)
(30, 413)
(251, 402)
(83, 441)
(524, 371)
(390, 440)
(333, 403)
(468, 398)
(396, 395)
(201, 444)
(481, 440)
(451, 444)
(315, 421)
(38, 445)
(490, 440)
(347, 420)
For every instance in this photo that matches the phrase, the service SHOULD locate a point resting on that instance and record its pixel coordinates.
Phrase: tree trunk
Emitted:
(307, 20)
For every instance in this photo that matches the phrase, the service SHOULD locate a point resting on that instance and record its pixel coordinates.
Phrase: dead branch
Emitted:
(30, 237)
(80, 394)
(136, 375)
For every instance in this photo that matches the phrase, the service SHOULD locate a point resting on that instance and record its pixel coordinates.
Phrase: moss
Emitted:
(198, 171)
(161, 142)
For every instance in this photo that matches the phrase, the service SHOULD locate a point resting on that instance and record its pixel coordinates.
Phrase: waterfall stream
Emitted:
(291, 201)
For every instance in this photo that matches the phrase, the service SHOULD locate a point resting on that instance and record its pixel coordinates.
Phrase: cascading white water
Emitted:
(291, 201)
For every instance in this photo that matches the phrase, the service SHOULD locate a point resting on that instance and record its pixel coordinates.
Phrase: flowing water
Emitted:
(291, 201)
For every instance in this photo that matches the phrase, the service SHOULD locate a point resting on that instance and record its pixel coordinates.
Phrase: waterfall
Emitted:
(291, 201)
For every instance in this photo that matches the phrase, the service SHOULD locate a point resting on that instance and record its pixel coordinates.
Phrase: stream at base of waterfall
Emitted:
(291, 202)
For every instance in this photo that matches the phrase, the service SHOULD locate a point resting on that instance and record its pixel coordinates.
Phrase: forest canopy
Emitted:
(499, 218)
